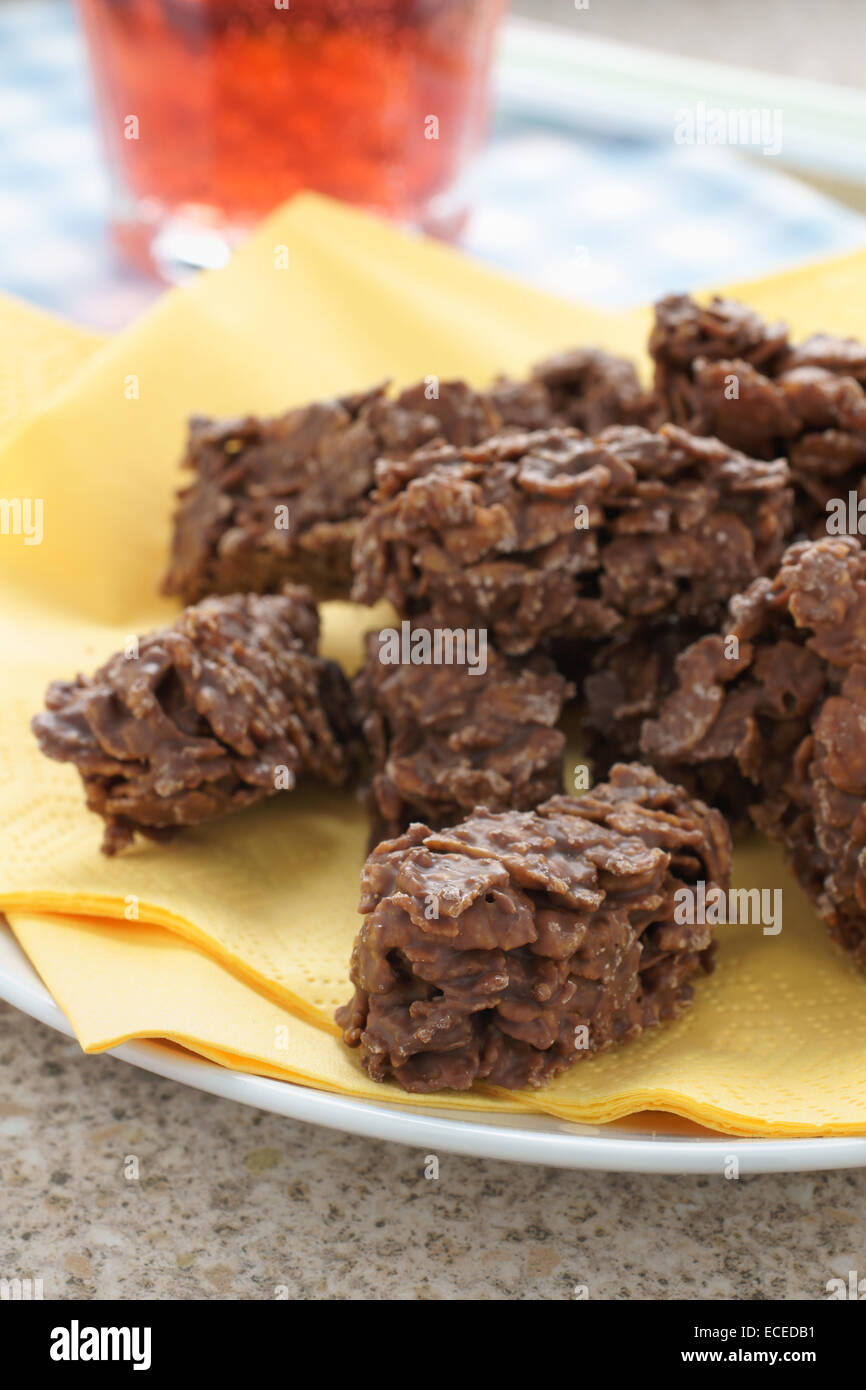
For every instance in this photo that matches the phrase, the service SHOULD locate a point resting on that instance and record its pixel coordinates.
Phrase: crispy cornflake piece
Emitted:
(280, 499)
(510, 945)
(552, 536)
(771, 711)
(722, 371)
(224, 708)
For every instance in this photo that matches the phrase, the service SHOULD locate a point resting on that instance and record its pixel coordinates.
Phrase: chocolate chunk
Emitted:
(222, 709)
(445, 738)
(510, 945)
(772, 710)
(551, 536)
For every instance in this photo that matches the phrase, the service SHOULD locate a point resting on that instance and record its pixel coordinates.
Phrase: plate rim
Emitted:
(559, 1144)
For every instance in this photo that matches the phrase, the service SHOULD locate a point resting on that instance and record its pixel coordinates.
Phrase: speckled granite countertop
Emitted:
(231, 1204)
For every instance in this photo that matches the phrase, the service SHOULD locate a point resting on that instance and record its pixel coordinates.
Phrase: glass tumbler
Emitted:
(215, 111)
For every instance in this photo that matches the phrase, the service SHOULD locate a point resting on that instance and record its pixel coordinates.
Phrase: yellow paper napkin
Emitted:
(247, 921)
(38, 353)
(774, 1045)
(183, 996)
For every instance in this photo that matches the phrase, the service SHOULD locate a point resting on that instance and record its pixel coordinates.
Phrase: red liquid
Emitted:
(240, 104)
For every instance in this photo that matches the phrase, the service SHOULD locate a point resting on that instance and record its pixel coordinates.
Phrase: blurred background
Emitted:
(608, 150)
(783, 36)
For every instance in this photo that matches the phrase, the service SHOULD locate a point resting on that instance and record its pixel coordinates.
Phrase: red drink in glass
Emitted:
(214, 111)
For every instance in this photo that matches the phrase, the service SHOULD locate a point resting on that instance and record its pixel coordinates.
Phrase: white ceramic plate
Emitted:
(517, 1138)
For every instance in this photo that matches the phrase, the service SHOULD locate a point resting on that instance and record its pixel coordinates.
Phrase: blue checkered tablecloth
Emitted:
(609, 221)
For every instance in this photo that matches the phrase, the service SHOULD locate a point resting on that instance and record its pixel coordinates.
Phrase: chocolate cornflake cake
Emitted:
(275, 500)
(723, 371)
(222, 709)
(551, 536)
(772, 710)
(446, 738)
(505, 948)
(280, 499)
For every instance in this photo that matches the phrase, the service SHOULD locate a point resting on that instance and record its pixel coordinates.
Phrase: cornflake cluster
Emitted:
(771, 713)
(554, 537)
(277, 500)
(224, 708)
(721, 370)
(507, 947)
